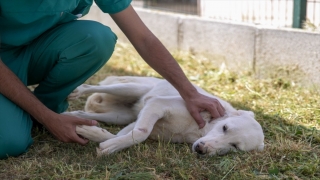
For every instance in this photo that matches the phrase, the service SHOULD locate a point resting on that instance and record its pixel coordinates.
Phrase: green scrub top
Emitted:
(21, 21)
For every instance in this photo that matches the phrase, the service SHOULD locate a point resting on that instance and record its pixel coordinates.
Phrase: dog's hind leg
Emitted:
(123, 89)
(117, 117)
(154, 109)
(98, 134)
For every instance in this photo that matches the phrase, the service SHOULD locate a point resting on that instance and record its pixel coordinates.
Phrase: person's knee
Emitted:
(101, 39)
(15, 129)
(14, 145)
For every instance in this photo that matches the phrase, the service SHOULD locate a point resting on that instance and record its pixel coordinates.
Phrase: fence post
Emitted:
(299, 13)
(145, 3)
(199, 8)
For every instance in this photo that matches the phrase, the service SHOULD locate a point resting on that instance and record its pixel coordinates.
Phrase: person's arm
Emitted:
(159, 58)
(61, 126)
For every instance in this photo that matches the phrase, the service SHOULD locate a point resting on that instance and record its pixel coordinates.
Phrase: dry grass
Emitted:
(289, 115)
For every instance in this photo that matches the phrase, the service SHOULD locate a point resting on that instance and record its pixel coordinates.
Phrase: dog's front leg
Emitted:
(135, 136)
(118, 117)
(94, 133)
(153, 110)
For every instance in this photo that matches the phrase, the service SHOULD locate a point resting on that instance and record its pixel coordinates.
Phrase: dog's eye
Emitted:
(234, 145)
(225, 127)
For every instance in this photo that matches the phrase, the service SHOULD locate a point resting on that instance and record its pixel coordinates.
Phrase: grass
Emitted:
(288, 113)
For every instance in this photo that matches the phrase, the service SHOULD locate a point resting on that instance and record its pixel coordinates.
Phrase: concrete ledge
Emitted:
(240, 46)
(232, 44)
(294, 51)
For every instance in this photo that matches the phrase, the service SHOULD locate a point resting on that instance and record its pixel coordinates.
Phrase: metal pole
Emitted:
(199, 9)
(299, 13)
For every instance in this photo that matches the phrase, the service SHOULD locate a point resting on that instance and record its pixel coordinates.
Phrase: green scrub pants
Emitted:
(59, 60)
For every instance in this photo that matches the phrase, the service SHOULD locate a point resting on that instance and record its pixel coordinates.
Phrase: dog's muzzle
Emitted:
(200, 148)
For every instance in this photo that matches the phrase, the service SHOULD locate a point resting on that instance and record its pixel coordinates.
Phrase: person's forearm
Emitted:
(159, 58)
(17, 92)
(152, 51)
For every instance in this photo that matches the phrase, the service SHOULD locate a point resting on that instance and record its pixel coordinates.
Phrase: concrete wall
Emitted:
(241, 46)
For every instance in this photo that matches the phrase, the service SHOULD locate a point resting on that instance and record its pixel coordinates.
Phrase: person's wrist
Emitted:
(189, 93)
(44, 116)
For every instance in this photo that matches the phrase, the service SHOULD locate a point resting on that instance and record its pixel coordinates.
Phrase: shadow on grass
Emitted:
(272, 123)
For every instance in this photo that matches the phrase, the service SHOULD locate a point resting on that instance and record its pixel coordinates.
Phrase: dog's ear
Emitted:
(234, 113)
(245, 112)
(250, 113)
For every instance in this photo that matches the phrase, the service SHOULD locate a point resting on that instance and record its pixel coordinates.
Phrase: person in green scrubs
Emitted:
(43, 43)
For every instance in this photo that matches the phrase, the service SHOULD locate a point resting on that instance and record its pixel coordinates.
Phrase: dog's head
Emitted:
(239, 131)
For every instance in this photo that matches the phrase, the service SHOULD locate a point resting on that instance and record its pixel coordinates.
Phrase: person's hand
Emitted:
(63, 127)
(199, 102)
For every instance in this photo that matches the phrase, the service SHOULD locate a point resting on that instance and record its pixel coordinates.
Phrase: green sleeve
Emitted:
(112, 6)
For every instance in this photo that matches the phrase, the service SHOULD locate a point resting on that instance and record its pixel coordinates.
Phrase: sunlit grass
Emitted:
(288, 113)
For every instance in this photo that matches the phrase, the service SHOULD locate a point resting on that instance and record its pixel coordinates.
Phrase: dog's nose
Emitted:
(200, 149)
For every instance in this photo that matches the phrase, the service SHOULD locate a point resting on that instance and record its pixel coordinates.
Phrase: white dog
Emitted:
(156, 110)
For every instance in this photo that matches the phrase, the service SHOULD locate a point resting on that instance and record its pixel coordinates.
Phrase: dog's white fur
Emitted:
(154, 109)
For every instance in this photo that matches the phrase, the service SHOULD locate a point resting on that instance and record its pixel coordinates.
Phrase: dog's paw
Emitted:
(77, 92)
(99, 152)
(94, 133)
(74, 95)
(75, 113)
(110, 146)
